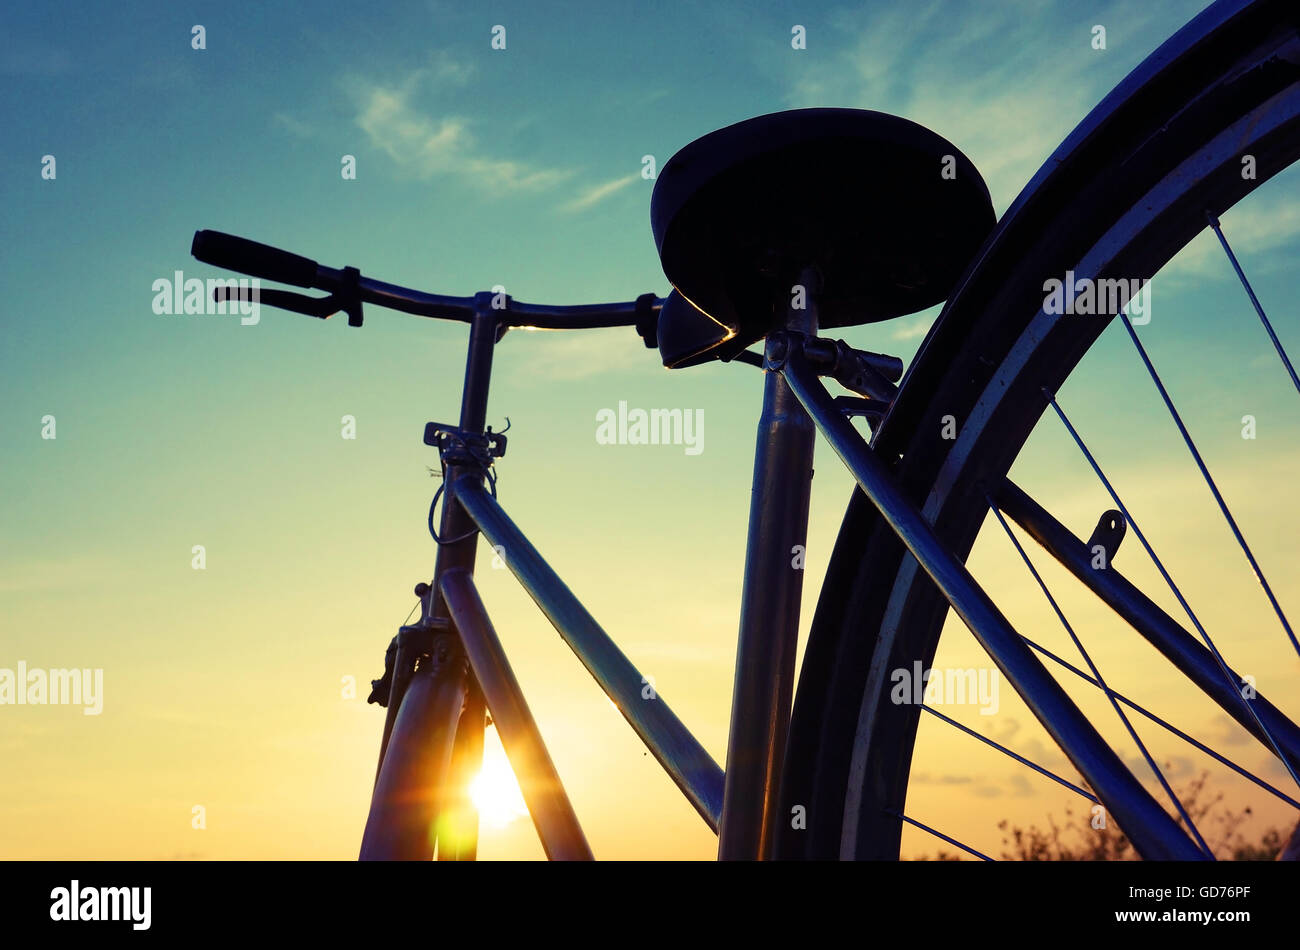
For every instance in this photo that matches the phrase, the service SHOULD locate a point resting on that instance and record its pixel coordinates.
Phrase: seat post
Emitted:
(769, 614)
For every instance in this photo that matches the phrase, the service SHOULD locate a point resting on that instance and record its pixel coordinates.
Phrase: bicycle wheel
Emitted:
(1125, 192)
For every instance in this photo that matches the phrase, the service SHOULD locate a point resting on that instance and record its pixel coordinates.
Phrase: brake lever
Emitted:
(347, 299)
(321, 307)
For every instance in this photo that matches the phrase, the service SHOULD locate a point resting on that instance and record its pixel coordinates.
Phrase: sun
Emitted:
(494, 791)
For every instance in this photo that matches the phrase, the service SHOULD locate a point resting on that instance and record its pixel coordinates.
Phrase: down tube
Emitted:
(1153, 832)
(668, 740)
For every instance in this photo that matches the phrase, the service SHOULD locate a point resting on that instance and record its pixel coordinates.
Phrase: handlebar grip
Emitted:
(249, 257)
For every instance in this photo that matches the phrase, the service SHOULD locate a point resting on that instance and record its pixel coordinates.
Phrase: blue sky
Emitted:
(475, 167)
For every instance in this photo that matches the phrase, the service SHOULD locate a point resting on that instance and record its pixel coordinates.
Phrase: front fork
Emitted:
(414, 784)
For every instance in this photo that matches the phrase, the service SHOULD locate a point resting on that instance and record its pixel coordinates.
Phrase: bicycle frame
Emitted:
(433, 732)
(448, 671)
(450, 666)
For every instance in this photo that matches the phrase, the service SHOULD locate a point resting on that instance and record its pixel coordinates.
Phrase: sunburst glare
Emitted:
(494, 791)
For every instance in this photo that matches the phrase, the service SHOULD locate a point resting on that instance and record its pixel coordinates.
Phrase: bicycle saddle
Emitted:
(887, 211)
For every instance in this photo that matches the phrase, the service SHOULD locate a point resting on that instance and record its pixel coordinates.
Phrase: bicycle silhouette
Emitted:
(776, 230)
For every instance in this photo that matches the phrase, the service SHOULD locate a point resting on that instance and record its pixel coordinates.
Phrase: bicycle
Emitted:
(1152, 166)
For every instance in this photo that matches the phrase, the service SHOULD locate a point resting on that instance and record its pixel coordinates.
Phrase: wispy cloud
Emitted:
(572, 356)
(982, 75)
(598, 193)
(446, 69)
(1259, 230)
(446, 145)
(914, 328)
(1225, 731)
(296, 127)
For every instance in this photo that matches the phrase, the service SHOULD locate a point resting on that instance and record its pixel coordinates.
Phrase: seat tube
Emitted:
(769, 614)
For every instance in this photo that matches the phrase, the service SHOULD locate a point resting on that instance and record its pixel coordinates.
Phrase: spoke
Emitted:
(1246, 773)
(1182, 649)
(1214, 489)
(1015, 755)
(1223, 666)
(1078, 645)
(1263, 318)
(939, 834)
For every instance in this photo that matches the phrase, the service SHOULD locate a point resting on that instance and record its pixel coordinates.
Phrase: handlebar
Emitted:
(348, 290)
(255, 260)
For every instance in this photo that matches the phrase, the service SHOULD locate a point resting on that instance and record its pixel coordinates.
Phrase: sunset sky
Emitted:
(223, 687)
